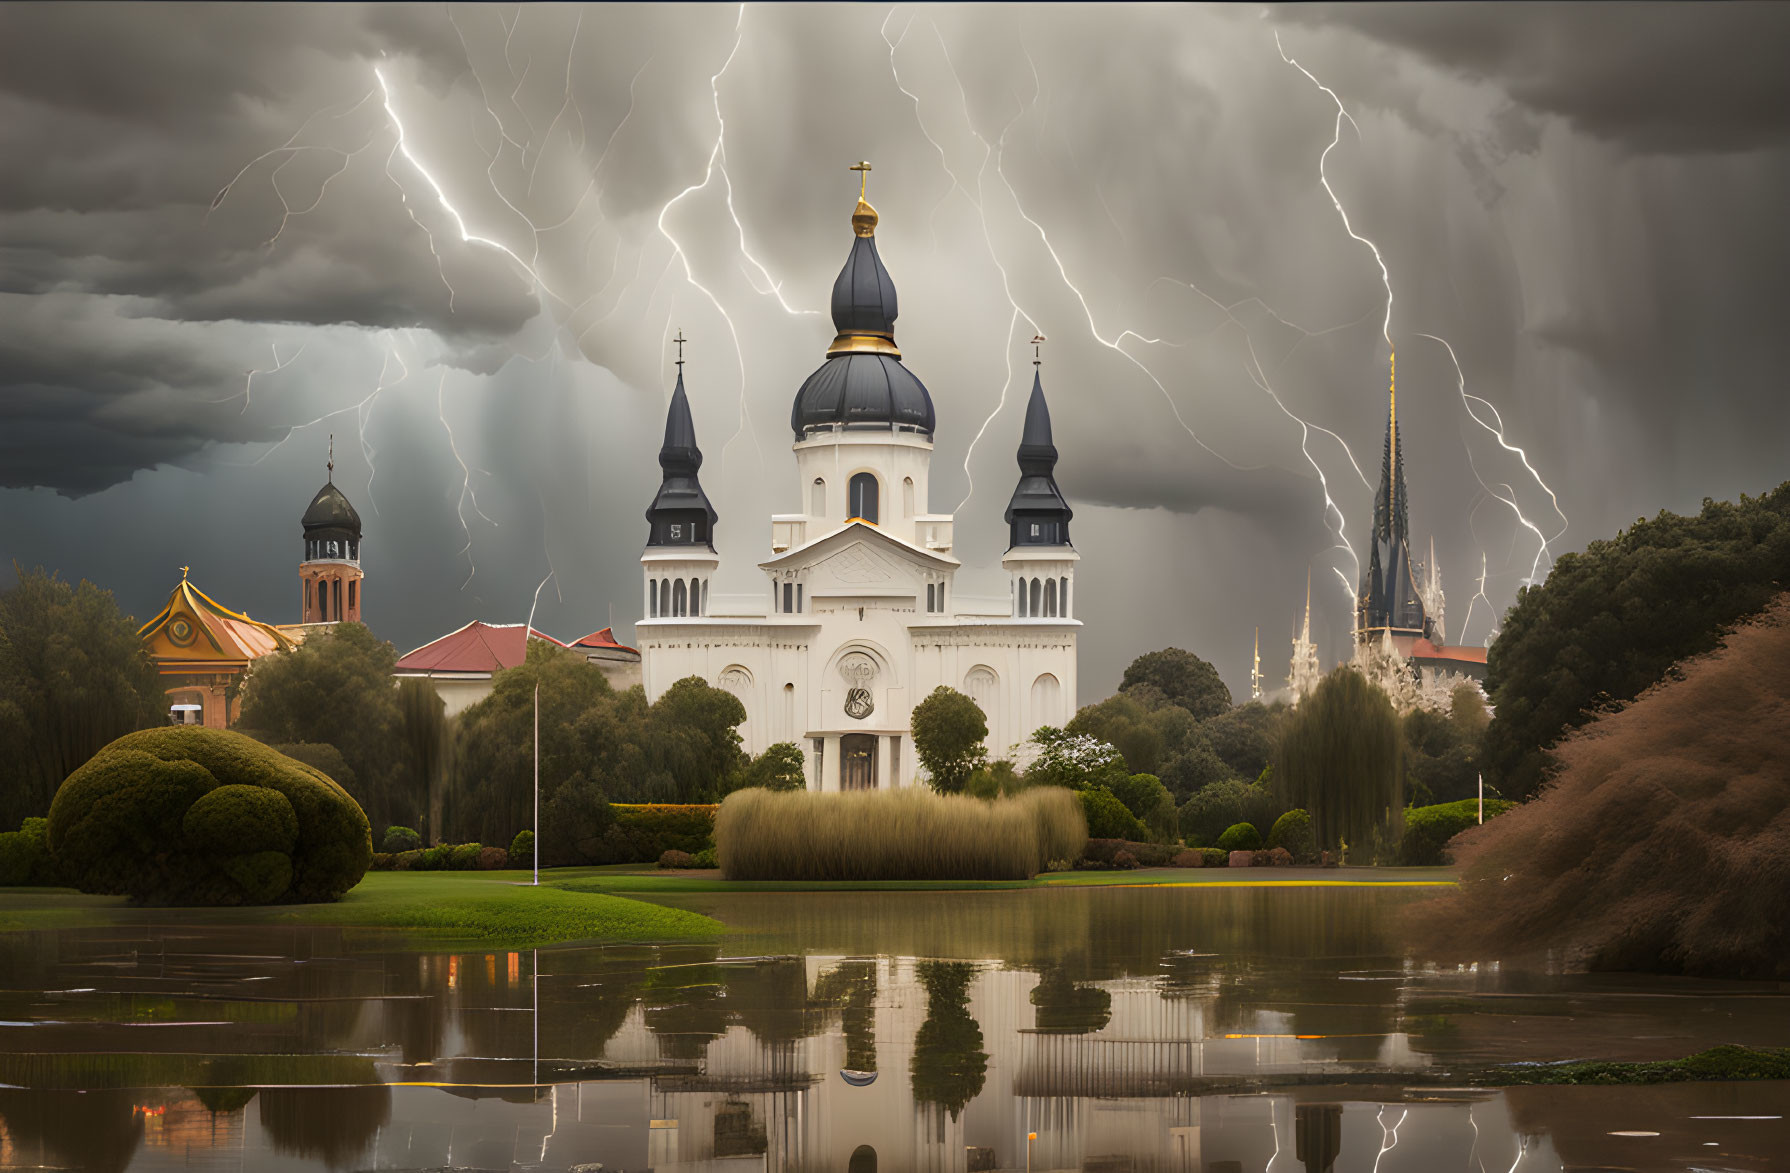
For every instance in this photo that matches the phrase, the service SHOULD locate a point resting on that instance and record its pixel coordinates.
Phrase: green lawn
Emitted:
(488, 907)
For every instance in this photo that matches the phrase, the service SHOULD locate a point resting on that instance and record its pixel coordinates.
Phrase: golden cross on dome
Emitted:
(1037, 349)
(863, 170)
(184, 571)
(680, 340)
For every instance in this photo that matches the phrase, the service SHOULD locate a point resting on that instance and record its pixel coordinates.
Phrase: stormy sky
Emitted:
(460, 237)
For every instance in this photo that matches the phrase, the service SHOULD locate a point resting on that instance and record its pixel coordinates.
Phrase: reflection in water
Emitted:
(1142, 1031)
(949, 1064)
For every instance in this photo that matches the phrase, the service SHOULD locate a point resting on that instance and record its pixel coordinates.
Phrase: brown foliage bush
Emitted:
(492, 859)
(1187, 857)
(1662, 844)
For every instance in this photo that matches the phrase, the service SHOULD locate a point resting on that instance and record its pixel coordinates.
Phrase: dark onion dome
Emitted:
(1037, 503)
(862, 384)
(331, 516)
(680, 514)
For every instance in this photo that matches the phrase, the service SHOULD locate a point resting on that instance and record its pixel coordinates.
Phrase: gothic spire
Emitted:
(680, 514)
(1038, 515)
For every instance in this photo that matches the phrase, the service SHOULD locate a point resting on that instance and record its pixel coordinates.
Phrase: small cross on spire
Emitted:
(331, 466)
(863, 170)
(1037, 349)
(680, 340)
(184, 571)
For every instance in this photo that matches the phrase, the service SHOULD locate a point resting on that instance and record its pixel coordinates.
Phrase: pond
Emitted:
(1125, 1030)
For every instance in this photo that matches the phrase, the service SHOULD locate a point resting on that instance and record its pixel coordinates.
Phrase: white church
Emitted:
(860, 618)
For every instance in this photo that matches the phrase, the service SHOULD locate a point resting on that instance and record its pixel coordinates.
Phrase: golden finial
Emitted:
(184, 571)
(1037, 349)
(680, 340)
(863, 217)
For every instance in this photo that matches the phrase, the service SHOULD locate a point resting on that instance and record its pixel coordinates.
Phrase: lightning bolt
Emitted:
(467, 236)
(248, 381)
(1475, 602)
(467, 492)
(1496, 428)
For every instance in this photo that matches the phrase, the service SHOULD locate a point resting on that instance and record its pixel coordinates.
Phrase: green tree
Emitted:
(1243, 738)
(427, 738)
(1205, 816)
(1442, 749)
(73, 676)
(1339, 759)
(1612, 620)
(1183, 679)
(336, 689)
(492, 793)
(779, 767)
(949, 735)
(1145, 796)
(1128, 726)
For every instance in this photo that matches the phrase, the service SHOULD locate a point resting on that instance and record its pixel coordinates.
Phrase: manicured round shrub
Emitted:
(1125, 861)
(464, 857)
(1214, 858)
(522, 849)
(400, 839)
(1107, 816)
(204, 816)
(493, 859)
(704, 858)
(1429, 828)
(676, 859)
(1240, 837)
(1293, 832)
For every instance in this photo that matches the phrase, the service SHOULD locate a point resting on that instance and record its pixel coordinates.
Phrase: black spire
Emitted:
(1389, 597)
(1037, 515)
(680, 514)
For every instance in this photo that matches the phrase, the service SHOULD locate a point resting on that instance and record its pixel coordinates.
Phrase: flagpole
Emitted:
(1482, 798)
(537, 783)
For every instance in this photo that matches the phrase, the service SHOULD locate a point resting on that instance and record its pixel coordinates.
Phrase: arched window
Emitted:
(307, 594)
(335, 604)
(695, 596)
(679, 598)
(652, 598)
(1047, 700)
(1037, 589)
(983, 686)
(1050, 598)
(1063, 598)
(351, 596)
(907, 496)
(665, 598)
(705, 598)
(941, 596)
(789, 598)
(798, 598)
(1019, 591)
(817, 498)
(931, 598)
(789, 712)
(863, 496)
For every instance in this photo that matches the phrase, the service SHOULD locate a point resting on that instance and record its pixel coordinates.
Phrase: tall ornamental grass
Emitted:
(910, 834)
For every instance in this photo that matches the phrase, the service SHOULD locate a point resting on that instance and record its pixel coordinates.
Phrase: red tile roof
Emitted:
(477, 647)
(602, 639)
(1424, 649)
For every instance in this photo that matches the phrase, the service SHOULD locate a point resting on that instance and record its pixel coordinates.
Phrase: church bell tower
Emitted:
(331, 573)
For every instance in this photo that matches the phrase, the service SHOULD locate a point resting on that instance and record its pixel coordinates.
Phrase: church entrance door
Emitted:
(857, 761)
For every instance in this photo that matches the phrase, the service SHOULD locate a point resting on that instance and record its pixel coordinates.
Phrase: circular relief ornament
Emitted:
(180, 632)
(859, 672)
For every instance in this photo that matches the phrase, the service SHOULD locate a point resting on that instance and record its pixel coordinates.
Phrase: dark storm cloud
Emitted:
(1671, 78)
(1586, 201)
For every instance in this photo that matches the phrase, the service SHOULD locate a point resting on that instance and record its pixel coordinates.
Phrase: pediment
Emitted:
(861, 554)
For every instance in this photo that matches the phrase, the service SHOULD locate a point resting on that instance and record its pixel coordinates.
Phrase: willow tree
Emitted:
(1339, 759)
(73, 677)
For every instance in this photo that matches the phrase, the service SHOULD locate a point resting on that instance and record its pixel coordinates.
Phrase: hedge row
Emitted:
(1106, 854)
(445, 857)
(25, 860)
(1429, 828)
(642, 832)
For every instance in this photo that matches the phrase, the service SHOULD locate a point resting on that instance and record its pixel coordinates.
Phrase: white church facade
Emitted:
(860, 617)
